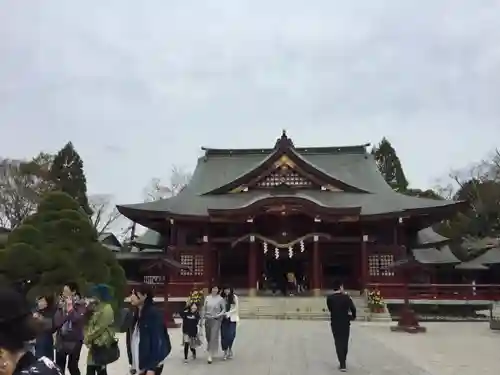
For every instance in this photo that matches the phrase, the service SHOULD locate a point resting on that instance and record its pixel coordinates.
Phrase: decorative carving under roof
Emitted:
(284, 176)
(283, 141)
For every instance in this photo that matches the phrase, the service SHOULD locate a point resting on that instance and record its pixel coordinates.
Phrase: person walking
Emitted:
(214, 309)
(148, 342)
(99, 332)
(44, 344)
(229, 322)
(190, 335)
(69, 322)
(18, 325)
(342, 312)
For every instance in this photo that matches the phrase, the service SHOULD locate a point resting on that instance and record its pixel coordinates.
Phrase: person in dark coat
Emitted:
(148, 342)
(18, 325)
(44, 345)
(342, 312)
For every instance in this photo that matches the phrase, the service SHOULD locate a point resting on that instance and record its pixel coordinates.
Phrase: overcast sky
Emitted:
(140, 85)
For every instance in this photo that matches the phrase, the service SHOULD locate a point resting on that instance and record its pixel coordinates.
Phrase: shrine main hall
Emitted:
(248, 217)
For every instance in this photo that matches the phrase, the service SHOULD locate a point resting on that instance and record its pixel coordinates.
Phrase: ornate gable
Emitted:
(284, 173)
(283, 167)
(284, 176)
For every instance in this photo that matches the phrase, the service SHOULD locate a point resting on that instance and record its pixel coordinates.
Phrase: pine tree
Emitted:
(56, 245)
(68, 176)
(390, 166)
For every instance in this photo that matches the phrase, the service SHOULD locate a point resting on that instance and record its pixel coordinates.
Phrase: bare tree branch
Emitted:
(21, 187)
(156, 190)
(105, 214)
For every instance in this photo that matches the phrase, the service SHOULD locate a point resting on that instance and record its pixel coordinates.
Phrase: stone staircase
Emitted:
(297, 308)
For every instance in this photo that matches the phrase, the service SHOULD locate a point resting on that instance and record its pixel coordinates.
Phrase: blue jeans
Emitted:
(227, 334)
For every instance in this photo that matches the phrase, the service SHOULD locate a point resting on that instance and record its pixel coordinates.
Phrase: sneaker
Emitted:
(342, 369)
(209, 359)
(185, 361)
(230, 353)
(225, 356)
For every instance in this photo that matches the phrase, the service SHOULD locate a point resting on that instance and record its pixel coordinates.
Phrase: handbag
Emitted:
(103, 355)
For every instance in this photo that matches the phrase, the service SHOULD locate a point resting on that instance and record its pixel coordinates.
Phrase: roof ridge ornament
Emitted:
(283, 142)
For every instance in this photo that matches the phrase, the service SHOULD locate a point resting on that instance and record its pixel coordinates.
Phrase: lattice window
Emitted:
(378, 264)
(385, 261)
(284, 177)
(373, 265)
(199, 265)
(196, 264)
(187, 260)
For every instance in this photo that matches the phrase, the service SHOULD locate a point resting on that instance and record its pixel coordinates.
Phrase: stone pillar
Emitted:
(364, 262)
(252, 267)
(317, 270)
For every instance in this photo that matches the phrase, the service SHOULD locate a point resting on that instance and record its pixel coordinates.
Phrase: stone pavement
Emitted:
(460, 348)
(301, 347)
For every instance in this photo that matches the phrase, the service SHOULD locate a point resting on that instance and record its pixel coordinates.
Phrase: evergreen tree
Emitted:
(56, 245)
(67, 174)
(390, 166)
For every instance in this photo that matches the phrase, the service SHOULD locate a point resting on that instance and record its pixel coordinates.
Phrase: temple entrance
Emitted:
(283, 275)
(341, 264)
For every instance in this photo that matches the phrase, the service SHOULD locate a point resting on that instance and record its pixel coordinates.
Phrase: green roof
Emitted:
(472, 265)
(491, 256)
(187, 203)
(149, 240)
(435, 256)
(427, 237)
(352, 166)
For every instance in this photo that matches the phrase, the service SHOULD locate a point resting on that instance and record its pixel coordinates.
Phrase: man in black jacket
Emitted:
(342, 312)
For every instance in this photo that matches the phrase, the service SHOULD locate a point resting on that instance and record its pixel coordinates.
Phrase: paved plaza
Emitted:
(306, 347)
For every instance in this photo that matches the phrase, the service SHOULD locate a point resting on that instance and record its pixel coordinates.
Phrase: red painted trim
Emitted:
(302, 204)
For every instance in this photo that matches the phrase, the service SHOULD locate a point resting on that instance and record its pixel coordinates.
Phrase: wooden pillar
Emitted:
(252, 267)
(168, 318)
(364, 262)
(317, 270)
(207, 265)
(167, 314)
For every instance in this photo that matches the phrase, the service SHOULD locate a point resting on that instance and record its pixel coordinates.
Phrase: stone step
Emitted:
(290, 316)
(297, 308)
(290, 304)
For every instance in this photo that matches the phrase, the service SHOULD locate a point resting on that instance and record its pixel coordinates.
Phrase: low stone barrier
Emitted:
(495, 316)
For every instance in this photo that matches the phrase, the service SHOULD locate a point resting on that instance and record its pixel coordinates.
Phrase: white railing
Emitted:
(154, 280)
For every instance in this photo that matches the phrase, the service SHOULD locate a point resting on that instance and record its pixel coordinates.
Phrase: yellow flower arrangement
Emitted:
(196, 296)
(375, 300)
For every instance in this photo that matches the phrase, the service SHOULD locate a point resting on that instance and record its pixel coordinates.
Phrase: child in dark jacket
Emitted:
(190, 322)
